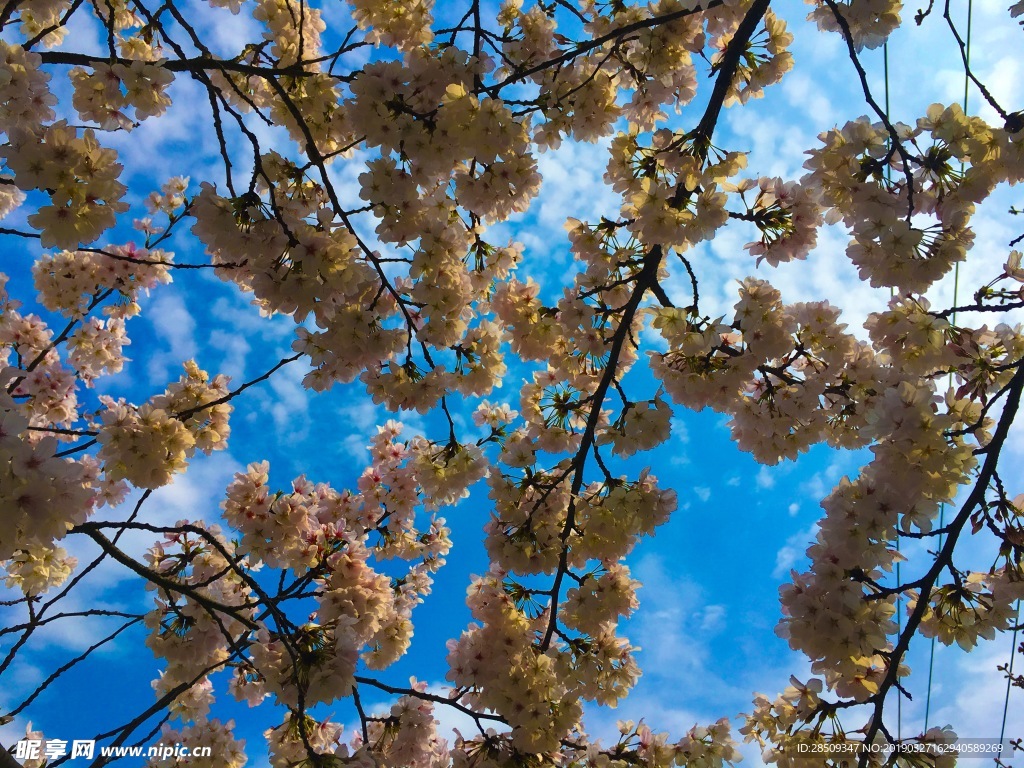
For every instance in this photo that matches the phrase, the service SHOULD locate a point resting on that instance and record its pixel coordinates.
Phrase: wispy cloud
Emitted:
(793, 551)
(236, 351)
(765, 479)
(175, 327)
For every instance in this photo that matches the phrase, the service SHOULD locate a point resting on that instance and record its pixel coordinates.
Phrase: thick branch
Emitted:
(945, 557)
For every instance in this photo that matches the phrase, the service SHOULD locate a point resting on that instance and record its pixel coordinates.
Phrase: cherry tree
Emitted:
(296, 598)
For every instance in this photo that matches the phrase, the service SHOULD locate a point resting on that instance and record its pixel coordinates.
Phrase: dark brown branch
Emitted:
(597, 42)
(234, 611)
(944, 558)
(894, 137)
(196, 64)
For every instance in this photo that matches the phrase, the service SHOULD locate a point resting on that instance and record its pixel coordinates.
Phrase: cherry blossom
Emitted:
(360, 194)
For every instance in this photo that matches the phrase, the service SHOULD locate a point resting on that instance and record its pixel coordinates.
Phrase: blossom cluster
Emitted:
(76, 171)
(328, 538)
(148, 444)
(102, 94)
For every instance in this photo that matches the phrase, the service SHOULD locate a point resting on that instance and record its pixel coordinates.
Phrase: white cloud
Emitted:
(807, 96)
(193, 495)
(362, 415)
(355, 446)
(236, 350)
(776, 144)
(290, 404)
(239, 314)
(712, 618)
(793, 550)
(20, 680)
(670, 611)
(78, 633)
(151, 153)
(702, 493)
(224, 33)
(820, 484)
(684, 682)
(85, 34)
(765, 479)
(573, 167)
(412, 421)
(175, 327)
(674, 628)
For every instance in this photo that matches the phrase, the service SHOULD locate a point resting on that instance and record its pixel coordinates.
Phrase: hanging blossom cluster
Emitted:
(366, 220)
(332, 543)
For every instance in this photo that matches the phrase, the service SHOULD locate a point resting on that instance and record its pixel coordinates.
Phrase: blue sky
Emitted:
(709, 605)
